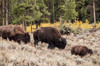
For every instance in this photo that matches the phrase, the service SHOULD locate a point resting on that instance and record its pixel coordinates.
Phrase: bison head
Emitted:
(61, 44)
(22, 37)
(90, 51)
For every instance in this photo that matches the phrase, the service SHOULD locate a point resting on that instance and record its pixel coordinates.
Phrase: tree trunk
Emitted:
(94, 14)
(36, 26)
(3, 11)
(49, 10)
(6, 12)
(53, 13)
(60, 19)
(31, 27)
(59, 11)
(24, 25)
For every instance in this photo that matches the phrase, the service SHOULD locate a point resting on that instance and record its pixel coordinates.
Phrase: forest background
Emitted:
(32, 12)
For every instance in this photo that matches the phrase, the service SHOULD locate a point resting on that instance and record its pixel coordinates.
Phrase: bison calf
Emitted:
(80, 50)
(51, 36)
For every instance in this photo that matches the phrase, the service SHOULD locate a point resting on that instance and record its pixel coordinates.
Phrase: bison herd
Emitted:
(48, 35)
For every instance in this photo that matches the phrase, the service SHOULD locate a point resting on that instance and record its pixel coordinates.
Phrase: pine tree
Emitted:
(26, 12)
(70, 12)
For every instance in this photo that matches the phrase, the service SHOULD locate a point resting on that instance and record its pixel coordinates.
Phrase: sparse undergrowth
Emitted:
(14, 54)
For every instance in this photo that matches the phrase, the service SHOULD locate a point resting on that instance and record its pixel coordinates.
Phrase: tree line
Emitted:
(37, 11)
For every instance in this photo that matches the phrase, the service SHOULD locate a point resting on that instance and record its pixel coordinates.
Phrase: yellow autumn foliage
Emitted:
(76, 24)
(42, 25)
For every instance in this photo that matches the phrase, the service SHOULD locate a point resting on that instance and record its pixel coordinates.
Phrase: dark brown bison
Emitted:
(21, 37)
(80, 50)
(49, 35)
(14, 32)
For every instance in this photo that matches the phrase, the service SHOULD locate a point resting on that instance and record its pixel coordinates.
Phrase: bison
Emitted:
(11, 30)
(21, 37)
(81, 50)
(49, 35)
(14, 32)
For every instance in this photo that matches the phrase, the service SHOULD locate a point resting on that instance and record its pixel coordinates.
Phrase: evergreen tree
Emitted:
(70, 12)
(38, 11)
(84, 9)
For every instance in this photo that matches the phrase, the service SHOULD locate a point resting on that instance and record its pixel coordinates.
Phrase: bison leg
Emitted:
(76, 53)
(18, 41)
(51, 46)
(36, 42)
(72, 52)
(10, 38)
(4, 37)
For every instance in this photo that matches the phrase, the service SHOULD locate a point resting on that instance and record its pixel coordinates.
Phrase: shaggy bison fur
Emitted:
(14, 32)
(11, 30)
(81, 50)
(49, 35)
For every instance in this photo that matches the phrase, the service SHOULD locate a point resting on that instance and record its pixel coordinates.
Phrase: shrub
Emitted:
(66, 28)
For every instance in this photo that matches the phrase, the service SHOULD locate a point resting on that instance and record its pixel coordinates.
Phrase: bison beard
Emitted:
(80, 50)
(51, 36)
(14, 32)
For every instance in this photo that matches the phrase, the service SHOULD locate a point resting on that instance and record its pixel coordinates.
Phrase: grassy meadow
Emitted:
(14, 54)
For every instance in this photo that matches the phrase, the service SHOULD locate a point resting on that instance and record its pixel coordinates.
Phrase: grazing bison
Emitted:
(80, 50)
(14, 32)
(21, 37)
(11, 30)
(49, 35)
